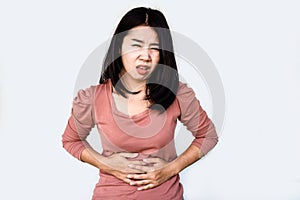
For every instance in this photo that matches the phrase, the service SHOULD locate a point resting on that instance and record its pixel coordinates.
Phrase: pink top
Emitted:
(149, 133)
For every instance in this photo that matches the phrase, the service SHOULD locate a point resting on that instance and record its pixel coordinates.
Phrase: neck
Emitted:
(132, 84)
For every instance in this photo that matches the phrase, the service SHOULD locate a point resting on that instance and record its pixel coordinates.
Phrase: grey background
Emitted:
(254, 45)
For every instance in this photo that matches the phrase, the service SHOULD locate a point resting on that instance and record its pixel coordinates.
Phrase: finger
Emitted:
(149, 186)
(151, 160)
(128, 155)
(133, 171)
(138, 176)
(142, 168)
(140, 182)
(137, 162)
(127, 180)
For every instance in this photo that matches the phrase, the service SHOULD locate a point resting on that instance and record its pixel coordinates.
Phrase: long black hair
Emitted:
(162, 85)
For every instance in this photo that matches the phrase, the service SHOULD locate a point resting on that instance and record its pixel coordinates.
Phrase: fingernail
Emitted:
(139, 188)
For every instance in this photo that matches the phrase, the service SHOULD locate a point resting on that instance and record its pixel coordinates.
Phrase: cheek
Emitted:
(125, 58)
(155, 57)
(129, 55)
(128, 60)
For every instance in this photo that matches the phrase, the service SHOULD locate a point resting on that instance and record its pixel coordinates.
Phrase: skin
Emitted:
(140, 47)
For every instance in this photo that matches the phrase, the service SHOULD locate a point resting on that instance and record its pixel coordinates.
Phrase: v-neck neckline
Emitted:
(120, 113)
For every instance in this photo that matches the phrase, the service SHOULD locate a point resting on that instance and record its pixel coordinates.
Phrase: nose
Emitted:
(145, 54)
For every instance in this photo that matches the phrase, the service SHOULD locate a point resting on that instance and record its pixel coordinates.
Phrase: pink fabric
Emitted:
(149, 133)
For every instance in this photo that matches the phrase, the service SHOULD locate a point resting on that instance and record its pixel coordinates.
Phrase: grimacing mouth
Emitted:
(144, 67)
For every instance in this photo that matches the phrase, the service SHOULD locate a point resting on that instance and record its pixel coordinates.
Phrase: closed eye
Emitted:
(136, 45)
(155, 48)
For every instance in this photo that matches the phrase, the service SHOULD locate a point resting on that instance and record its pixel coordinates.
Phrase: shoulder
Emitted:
(86, 96)
(184, 91)
(188, 103)
(186, 98)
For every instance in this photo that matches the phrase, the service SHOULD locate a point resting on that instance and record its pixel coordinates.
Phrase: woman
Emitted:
(135, 108)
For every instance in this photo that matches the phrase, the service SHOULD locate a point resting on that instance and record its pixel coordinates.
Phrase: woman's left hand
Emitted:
(158, 171)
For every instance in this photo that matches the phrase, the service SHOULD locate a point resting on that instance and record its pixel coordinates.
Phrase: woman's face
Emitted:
(140, 52)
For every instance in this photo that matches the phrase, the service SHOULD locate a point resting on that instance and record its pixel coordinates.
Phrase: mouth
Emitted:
(143, 69)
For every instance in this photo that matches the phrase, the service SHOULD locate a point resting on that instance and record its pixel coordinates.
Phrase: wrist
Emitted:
(173, 168)
(103, 164)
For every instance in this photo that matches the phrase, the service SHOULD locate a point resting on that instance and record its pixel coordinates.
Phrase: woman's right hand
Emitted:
(118, 165)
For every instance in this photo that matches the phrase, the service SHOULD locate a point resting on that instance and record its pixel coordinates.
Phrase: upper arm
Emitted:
(194, 117)
(80, 123)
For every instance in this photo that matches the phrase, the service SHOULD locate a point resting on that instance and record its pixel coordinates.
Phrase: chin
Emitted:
(139, 77)
(144, 78)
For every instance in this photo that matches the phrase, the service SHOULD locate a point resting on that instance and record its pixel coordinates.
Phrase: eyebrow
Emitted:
(140, 41)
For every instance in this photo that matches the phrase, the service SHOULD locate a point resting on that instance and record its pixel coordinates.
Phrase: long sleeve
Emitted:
(80, 123)
(196, 120)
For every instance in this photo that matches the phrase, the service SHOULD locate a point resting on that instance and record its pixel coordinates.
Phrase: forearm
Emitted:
(188, 157)
(94, 158)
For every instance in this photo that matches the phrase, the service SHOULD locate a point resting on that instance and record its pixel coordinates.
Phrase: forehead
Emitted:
(144, 33)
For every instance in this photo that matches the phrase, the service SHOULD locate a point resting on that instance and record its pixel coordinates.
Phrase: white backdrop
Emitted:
(255, 46)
